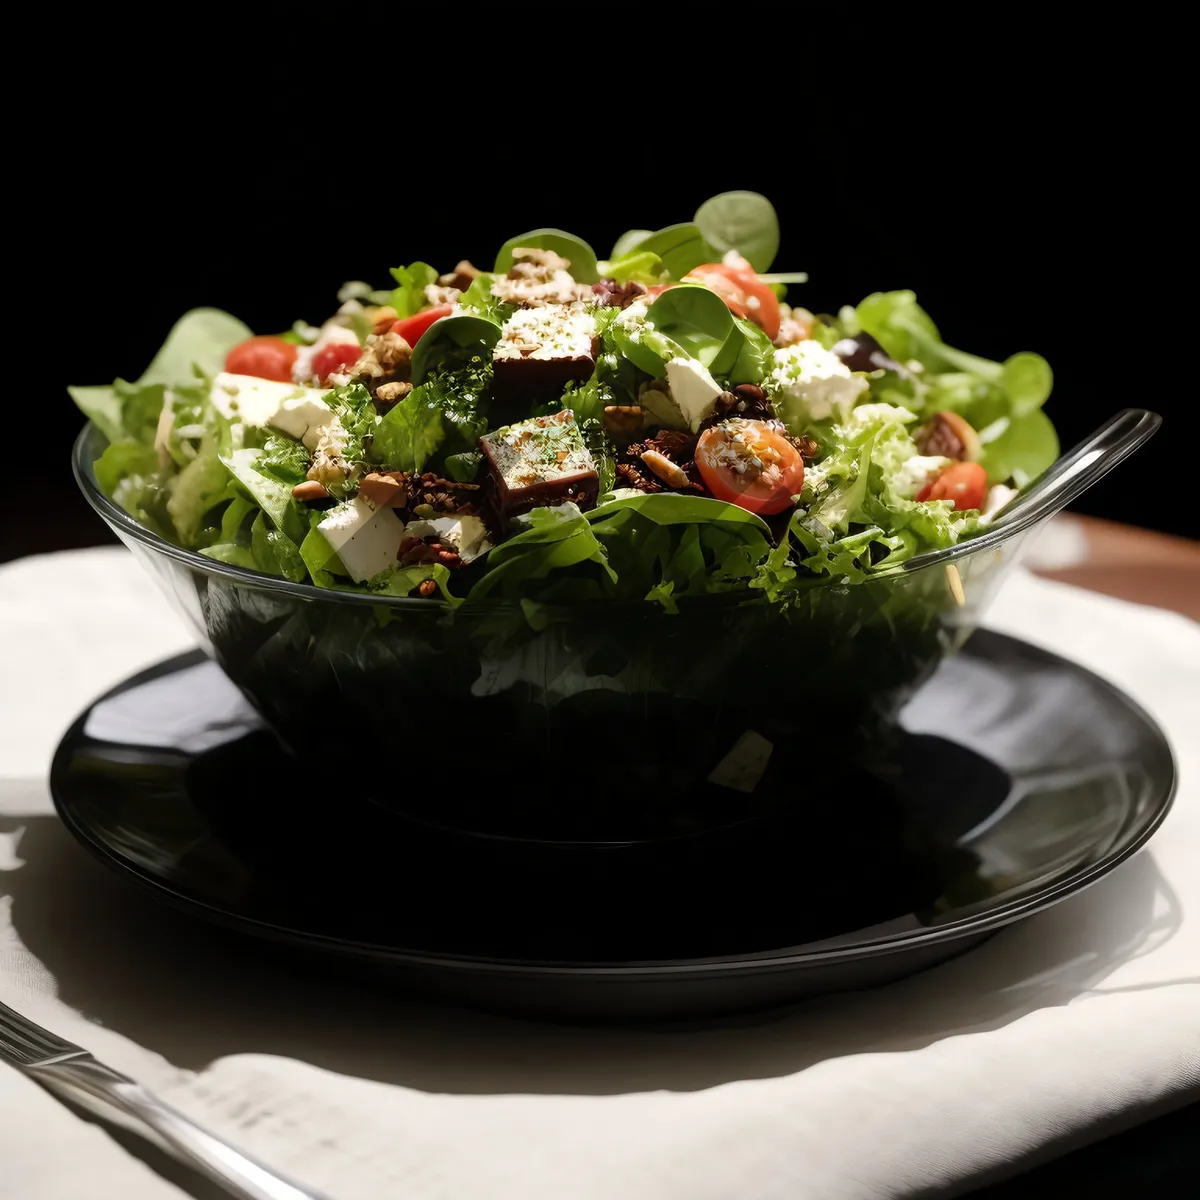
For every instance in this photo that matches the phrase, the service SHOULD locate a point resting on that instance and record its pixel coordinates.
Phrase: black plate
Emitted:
(1018, 779)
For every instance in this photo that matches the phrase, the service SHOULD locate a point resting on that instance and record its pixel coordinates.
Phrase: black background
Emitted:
(1031, 199)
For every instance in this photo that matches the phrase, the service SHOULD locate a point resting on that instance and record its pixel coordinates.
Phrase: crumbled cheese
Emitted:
(540, 277)
(329, 464)
(914, 473)
(549, 332)
(815, 379)
(466, 535)
(869, 416)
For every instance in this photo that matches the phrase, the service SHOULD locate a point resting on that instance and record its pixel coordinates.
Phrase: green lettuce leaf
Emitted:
(408, 297)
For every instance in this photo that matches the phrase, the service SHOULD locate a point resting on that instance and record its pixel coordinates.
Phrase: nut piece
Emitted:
(390, 393)
(665, 469)
(309, 492)
(428, 588)
(623, 420)
(385, 491)
(948, 435)
(385, 355)
(383, 318)
(461, 277)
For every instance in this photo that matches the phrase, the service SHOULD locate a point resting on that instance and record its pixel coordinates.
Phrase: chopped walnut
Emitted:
(329, 466)
(388, 394)
(461, 277)
(385, 357)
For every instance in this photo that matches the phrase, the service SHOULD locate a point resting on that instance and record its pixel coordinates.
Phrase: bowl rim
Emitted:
(83, 469)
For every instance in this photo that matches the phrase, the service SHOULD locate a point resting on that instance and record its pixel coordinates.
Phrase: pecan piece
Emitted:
(635, 479)
(427, 588)
(617, 295)
(948, 435)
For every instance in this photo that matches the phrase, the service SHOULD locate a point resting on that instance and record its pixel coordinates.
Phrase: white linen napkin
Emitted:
(1060, 1030)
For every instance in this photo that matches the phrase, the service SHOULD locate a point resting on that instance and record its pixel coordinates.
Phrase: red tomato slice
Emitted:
(265, 357)
(741, 289)
(750, 464)
(411, 328)
(335, 357)
(963, 482)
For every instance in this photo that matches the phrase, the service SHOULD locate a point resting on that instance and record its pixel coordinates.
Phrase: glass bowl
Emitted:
(601, 722)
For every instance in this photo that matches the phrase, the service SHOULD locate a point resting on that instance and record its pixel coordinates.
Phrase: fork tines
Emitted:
(25, 1044)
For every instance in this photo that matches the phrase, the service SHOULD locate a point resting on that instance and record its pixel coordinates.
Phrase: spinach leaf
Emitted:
(741, 221)
(695, 318)
(1023, 450)
(641, 266)
(409, 433)
(408, 297)
(675, 508)
(681, 247)
(629, 241)
(271, 495)
(575, 250)
(449, 342)
(753, 358)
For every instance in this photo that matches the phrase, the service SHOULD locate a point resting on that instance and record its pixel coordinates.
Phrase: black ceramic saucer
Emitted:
(1019, 779)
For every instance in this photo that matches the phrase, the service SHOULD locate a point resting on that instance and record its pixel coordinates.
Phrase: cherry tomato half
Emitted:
(411, 328)
(963, 482)
(265, 357)
(750, 464)
(747, 296)
(335, 357)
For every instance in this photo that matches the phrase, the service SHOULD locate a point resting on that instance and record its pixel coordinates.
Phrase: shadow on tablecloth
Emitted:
(194, 993)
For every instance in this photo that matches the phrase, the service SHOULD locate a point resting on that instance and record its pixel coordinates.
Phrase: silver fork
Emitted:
(72, 1073)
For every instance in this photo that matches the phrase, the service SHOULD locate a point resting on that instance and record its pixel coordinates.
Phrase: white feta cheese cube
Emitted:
(257, 402)
(914, 473)
(693, 389)
(366, 538)
(466, 535)
(816, 383)
(303, 418)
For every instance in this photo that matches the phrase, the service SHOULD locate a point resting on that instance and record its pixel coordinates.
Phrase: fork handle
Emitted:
(116, 1097)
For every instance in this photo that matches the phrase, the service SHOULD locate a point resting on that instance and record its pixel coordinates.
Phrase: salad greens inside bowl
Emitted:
(631, 544)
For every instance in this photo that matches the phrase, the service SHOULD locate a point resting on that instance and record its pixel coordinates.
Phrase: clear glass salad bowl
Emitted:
(602, 722)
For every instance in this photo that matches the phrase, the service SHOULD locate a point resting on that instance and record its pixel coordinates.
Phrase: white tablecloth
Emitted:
(1055, 1032)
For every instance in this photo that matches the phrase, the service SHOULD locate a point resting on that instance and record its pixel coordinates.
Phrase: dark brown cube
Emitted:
(539, 462)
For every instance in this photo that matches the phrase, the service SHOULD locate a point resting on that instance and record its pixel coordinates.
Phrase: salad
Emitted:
(666, 422)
